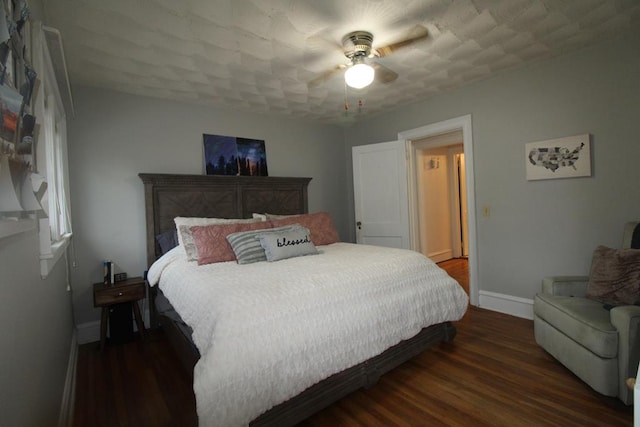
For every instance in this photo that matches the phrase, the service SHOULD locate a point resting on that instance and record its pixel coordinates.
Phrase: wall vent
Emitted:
(56, 52)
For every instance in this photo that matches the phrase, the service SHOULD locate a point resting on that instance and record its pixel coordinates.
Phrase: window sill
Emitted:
(48, 261)
(9, 227)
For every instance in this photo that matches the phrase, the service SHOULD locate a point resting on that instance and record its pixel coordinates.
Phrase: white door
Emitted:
(380, 194)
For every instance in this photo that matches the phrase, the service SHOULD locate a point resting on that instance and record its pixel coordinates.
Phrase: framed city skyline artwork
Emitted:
(230, 155)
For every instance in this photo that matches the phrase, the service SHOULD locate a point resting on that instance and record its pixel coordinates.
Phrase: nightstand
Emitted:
(127, 291)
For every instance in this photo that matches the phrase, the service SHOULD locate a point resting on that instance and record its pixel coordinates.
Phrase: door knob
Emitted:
(359, 225)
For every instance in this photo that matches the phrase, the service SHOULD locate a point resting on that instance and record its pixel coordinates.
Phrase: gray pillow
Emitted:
(246, 246)
(167, 241)
(287, 244)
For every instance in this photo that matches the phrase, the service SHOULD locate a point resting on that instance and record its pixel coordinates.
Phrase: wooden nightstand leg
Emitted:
(103, 327)
(136, 314)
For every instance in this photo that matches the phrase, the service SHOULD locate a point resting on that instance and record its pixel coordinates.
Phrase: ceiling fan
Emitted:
(361, 69)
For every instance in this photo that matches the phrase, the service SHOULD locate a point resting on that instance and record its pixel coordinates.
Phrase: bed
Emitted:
(285, 396)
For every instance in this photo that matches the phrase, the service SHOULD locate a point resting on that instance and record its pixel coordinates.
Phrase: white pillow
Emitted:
(185, 238)
(261, 217)
(274, 216)
(268, 216)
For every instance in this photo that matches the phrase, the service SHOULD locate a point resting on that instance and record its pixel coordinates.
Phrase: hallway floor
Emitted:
(458, 268)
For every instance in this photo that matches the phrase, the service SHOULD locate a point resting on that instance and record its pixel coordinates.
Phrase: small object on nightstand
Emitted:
(107, 267)
(119, 277)
(127, 291)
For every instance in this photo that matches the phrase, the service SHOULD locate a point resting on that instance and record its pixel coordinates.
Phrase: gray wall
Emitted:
(35, 329)
(540, 228)
(113, 137)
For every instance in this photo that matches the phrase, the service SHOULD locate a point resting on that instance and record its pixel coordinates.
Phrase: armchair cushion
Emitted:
(566, 286)
(615, 276)
(584, 321)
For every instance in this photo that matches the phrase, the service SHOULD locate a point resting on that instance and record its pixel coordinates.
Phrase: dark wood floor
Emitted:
(492, 374)
(133, 384)
(458, 268)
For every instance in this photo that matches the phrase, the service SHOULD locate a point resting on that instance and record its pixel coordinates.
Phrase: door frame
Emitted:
(460, 238)
(462, 123)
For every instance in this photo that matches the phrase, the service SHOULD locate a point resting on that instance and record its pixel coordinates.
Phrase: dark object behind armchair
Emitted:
(635, 239)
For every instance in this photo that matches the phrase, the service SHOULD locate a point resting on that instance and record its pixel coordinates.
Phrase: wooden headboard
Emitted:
(167, 196)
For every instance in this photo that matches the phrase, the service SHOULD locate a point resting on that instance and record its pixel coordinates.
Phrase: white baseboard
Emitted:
(515, 306)
(69, 393)
(90, 331)
(441, 255)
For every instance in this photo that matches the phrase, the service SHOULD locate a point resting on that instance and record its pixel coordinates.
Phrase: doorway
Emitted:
(442, 203)
(454, 132)
(441, 196)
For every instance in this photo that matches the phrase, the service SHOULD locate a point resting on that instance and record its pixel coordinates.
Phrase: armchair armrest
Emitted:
(626, 319)
(568, 286)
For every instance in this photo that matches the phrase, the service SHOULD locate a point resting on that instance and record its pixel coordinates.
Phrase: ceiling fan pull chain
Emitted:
(346, 100)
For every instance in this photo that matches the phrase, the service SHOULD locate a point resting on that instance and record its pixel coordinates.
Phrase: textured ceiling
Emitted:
(259, 56)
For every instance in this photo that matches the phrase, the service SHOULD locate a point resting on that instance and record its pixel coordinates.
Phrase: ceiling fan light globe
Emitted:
(359, 76)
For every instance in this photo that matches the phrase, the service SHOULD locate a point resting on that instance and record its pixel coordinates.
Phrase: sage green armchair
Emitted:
(601, 345)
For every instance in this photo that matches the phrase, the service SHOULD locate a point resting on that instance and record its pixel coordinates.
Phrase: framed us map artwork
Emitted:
(567, 157)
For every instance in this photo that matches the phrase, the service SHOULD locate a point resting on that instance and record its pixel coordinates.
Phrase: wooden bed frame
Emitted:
(168, 196)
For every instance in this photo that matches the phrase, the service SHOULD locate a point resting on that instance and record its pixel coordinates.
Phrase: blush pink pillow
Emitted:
(320, 224)
(211, 240)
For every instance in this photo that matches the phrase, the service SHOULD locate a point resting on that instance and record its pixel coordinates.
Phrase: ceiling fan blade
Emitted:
(417, 34)
(319, 51)
(325, 76)
(384, 74)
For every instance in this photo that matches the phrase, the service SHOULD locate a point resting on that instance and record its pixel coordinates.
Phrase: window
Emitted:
(55, 223)
(34, 189)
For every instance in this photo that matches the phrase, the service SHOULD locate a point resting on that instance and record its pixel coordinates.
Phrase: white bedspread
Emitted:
(267, 331)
